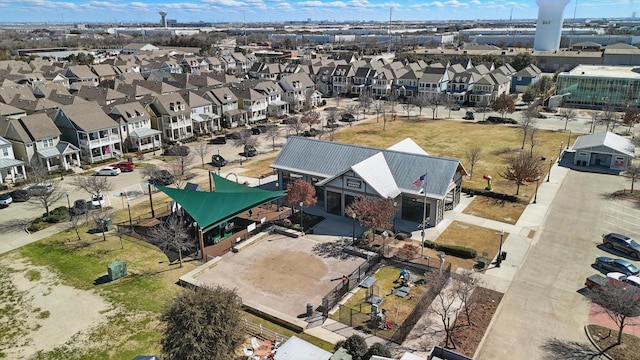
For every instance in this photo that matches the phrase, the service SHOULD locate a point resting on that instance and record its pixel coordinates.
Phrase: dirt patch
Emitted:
(605, 337)
(49, 312)
(281, 266)
(495, 209)
(467, 337)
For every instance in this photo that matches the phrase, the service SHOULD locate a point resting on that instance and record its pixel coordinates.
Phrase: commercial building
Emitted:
(599, 86)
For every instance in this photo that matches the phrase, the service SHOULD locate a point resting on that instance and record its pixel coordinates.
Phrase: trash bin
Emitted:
(309, 309)
(503, 255)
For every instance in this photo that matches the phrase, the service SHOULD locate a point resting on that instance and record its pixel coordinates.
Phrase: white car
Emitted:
(108, 171)
(97, 201)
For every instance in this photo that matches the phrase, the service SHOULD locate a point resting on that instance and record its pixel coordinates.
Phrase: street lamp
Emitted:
(68, 205)
(535, 197)
(129, 209)
(301, 213)
(395, 209)
(549, 173)
(499, 260)
(569, 140)
(560, 151)
(353, 227)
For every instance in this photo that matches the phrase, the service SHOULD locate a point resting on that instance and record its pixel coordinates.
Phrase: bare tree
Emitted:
(273, 133)
(43, 193)
(294, 124)
(246, 139)
(173, 234)
(521, 168)
(407, 107)
(465, 284)
(181, 167)
(446, 307)
(353, 110)
(608, 118)
(527, 122)
(504, 104)
(310, 118)
(99, 217)
(473, 155)
(567, 114)
(365, 99)
(617, 302)
(332, 115)
(420, 101)
(434, 101)
(74, 224)
(94, 185)
(633, 173)
(484, 106)
(375, 213)
(631, 118)
(532, 139)
(595, 120)
(201, 148)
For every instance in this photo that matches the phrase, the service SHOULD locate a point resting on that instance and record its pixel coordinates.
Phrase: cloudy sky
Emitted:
(127, 11)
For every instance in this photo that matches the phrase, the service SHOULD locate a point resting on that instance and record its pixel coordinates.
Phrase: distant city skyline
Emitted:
(146, 11)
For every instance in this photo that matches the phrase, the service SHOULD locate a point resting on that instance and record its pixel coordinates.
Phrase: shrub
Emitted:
(34, 226)
(458, 251)
(429, 244)
(491, 194)
(60, 210)
(402, 236)
(54, 219)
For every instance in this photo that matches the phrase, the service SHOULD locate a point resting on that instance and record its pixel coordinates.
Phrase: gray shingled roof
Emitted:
(88, 116)
(326, 159)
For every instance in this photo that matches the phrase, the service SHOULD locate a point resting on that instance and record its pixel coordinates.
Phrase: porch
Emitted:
(146, 139)
(11, 170)
(62, 155)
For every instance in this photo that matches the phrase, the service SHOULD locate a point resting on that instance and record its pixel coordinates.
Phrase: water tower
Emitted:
(163, 18)
(549, 26)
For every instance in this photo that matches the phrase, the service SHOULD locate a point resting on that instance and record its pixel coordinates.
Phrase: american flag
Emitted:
(420, 181)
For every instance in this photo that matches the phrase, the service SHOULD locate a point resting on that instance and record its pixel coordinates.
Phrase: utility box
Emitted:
(104, 224)
(117, 269)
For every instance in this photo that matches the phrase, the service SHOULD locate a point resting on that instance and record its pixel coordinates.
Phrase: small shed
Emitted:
(293, 348)
(605, 149)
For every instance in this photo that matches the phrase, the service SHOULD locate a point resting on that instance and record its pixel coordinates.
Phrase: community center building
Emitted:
(341, 173)
(605, 150)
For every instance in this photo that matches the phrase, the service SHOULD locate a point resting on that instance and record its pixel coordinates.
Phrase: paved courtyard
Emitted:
(279, 275)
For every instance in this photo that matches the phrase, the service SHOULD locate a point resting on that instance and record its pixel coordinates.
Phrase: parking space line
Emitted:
(621, 227)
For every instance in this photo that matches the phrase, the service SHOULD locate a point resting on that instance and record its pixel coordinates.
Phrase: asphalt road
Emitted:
(543, 301)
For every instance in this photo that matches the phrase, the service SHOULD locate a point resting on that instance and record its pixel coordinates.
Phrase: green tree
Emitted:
(378, 349)
(529, 95)
(356, 346)
(522, 60)
(204, 323)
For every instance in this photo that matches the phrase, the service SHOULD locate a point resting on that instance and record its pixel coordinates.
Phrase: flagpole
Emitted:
(424, 211)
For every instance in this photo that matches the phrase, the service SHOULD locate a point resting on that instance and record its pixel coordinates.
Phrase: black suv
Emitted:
(80, 207)
(218, 161)
(622, 243)
(347, 118)
(218, 140)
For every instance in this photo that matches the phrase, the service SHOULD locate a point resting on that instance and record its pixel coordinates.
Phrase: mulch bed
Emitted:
(468, 337)
(604, 337)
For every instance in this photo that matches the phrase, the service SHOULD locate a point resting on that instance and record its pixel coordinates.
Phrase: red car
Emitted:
(124, 166)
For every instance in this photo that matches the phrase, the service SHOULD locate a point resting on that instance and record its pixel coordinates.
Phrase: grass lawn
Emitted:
(495, 209)
(397, 308)
(479, 238)
(454, 139)
(259, 167)
(604, 337)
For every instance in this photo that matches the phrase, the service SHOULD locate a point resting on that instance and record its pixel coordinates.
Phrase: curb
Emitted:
(602, 353)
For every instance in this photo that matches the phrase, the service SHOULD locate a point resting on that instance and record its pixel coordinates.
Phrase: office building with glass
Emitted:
(600, 87)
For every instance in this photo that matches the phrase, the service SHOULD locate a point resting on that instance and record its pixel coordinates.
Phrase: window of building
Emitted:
(5, 152)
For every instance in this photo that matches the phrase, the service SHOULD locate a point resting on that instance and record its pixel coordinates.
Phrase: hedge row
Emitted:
(453, 250)
(491, 194)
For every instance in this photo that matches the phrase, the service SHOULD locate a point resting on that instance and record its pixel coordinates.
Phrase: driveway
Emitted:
(542, 302)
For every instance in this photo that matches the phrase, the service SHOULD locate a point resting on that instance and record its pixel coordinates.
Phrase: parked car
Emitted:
(256, 131)
(469, 116)
(218, 140)
(250, 151)
(622, 243)
(162, 177)
(80, 207)
(455, 107)
(347, 118)
(39, 189)
(332, 125)
(616, 265)
(97, 201)
(5, 200)
(218, 161)
(125, 166)
(233, 135)
(108, 171)
(20, 195)
(541, 116)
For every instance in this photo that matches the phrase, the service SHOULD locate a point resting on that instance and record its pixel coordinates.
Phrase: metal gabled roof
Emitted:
(607, 139)
(327, 159)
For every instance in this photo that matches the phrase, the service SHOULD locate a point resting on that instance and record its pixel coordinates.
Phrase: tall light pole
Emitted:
(353, 228)
(569, 140)
(301, 213)
(499, 261)
(395, 204)
(129, 209)
(68, 205)
(549, 173)
(560, 151)
(535, 197)
(424, 213)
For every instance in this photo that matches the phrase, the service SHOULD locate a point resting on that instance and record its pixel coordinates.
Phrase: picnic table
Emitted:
(403, 291)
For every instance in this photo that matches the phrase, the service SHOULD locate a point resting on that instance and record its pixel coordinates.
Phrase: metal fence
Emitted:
(263, 333)
(360, 317)
(350, 282)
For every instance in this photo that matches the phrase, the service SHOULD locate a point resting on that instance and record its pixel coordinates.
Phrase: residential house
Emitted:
(215, 65)
(342, 79)
(87, 127)
(171, 114)
(193, 65)
(407, 84)
(135, 48)
(105, 72)
(11, 112)
(362, 80)
(10, 168)
(434, 80)
(252, 102)
(135, 127)
(203, 117)
(225, 104)
(299, 91)
(37, 138)
(460, 84)
(101, 95)
(525, 78)
(80, 75)
(382, 83)
(273, 92)
(229, 64)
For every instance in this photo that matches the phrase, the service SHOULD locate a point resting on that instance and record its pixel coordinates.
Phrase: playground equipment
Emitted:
(378, 317)
(406, 277)
(488, 178)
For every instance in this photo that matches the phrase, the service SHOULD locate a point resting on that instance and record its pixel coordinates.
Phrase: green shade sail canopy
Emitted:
(209, 209)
